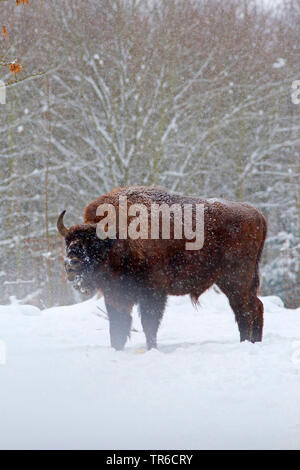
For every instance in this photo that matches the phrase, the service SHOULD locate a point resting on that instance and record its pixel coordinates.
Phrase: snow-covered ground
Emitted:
(63, 387)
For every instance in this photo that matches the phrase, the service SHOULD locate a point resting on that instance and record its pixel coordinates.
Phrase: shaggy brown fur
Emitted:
(145, 272)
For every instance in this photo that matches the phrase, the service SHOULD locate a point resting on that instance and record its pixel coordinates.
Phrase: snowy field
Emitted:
(63, 387)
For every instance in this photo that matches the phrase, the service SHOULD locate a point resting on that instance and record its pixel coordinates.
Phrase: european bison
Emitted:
(145, 271)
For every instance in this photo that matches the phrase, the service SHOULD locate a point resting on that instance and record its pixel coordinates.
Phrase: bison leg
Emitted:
(119, 325)
(152, 306)
(257, 320)
(243, 316)
(249, 317)
(248, 310)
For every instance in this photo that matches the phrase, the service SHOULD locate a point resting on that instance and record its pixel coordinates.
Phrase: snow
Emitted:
(63, 386)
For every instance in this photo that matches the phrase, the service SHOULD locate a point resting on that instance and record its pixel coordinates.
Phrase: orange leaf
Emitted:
(4, 31)
(15, 68)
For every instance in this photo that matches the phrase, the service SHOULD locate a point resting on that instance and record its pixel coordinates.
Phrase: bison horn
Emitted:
(60, 225)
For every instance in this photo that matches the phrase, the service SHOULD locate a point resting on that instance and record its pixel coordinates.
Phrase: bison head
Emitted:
(85, 254)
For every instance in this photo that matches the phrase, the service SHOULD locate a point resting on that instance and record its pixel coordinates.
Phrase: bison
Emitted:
(145, 271)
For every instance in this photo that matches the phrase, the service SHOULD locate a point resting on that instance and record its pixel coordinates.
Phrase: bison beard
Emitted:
(146, 271)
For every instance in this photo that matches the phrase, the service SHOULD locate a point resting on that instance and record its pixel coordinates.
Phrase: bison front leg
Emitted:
(152, 306)
(119, 325)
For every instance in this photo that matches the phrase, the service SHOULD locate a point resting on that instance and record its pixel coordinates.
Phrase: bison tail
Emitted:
(265, 229)
(256, 280)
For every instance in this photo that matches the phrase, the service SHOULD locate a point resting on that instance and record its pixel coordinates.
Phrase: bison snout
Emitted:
(72, 267)
(71, 263)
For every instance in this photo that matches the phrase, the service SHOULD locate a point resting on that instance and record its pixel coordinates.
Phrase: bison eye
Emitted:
(74, 249)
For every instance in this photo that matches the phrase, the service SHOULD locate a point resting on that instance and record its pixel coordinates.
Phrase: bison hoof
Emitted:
(118, 347)
(118, 343)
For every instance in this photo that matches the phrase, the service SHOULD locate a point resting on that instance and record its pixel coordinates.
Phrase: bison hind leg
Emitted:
(249, 317)
(248, 310)
(257, 321)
